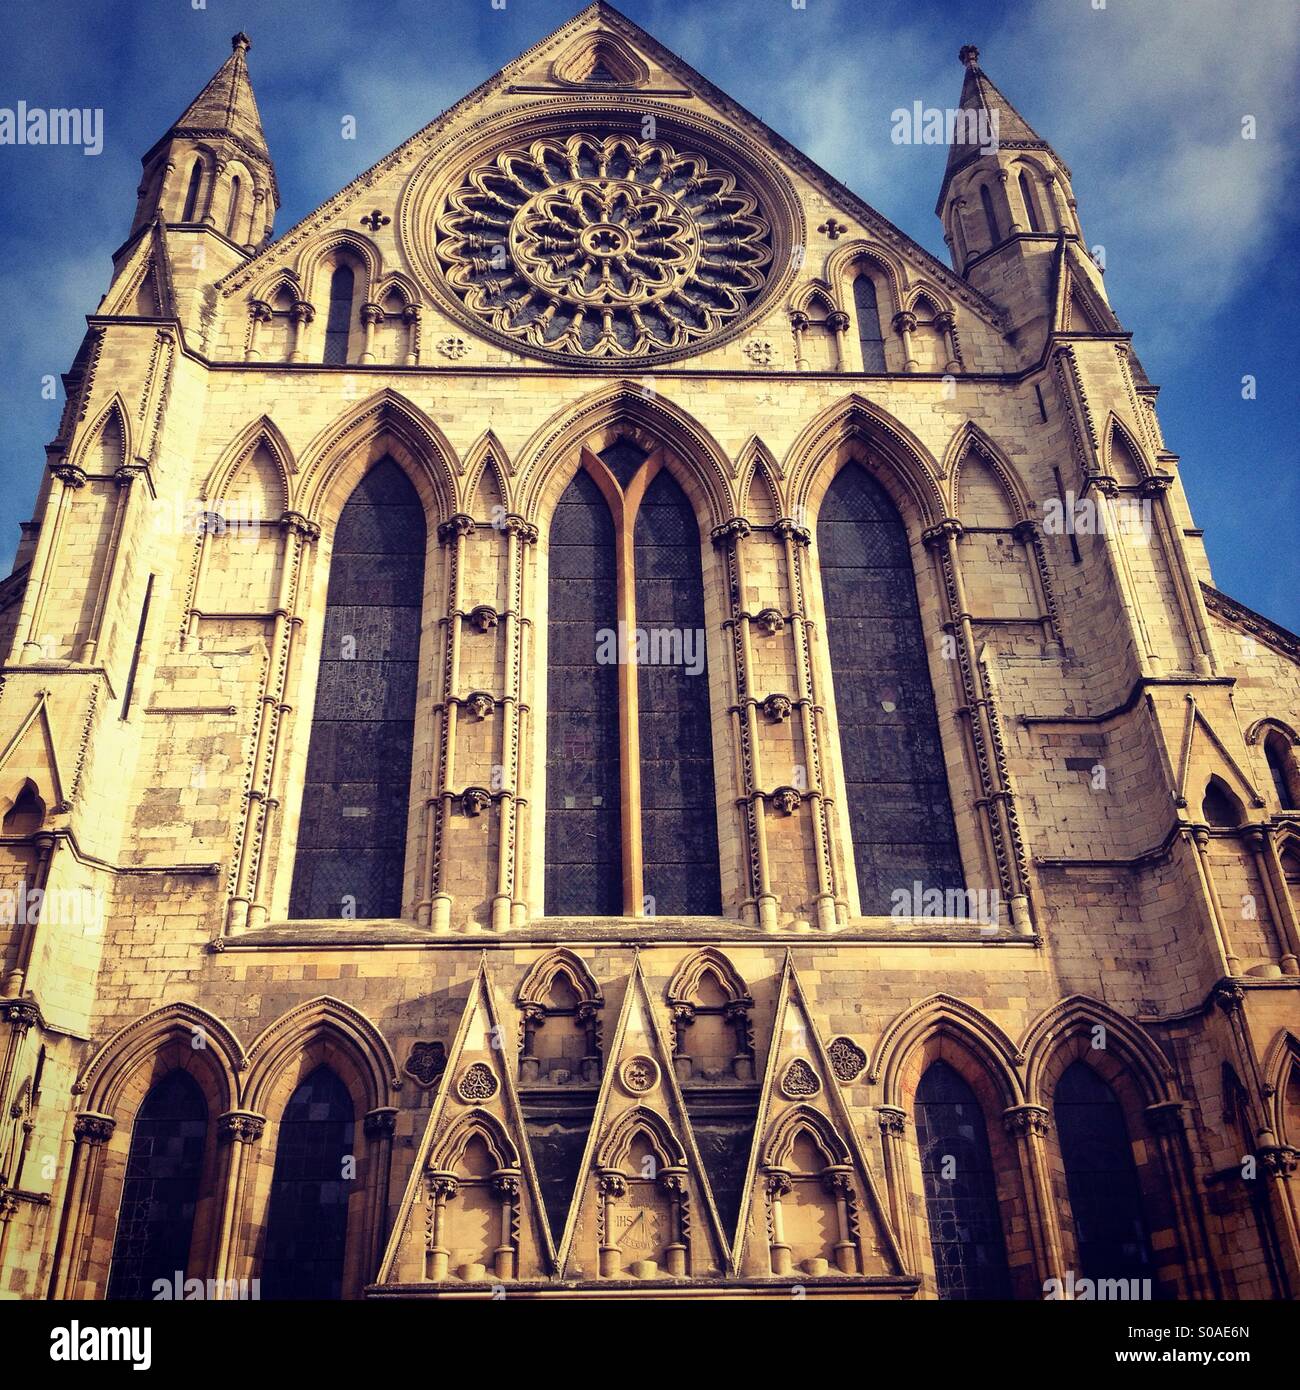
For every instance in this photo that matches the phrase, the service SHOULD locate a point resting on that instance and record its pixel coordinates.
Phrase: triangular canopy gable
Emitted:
(595, 43)
(643, 1209)
(811, 1209)
(472, 1213)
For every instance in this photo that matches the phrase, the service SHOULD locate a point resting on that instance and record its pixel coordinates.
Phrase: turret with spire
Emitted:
(1006, 204)
(212, 170)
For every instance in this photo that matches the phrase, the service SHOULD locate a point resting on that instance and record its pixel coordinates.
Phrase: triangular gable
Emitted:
(33, 751)
(1197, 729)
(811, 1208)
(603, 18)
(473, 1179)
(1078, 307)
(143, 285)
(642, 1208)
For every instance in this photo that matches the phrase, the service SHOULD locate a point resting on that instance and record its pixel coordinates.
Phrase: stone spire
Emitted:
(226, 106)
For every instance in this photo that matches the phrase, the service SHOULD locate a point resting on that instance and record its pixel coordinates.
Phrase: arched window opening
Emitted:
(584, 857)
(1291, 872)
(192, 192)
(232, 220)
(961, 1196)
(160, 1193)
(1101, 1177)
(307, 1217)
(1220, 807)
(900, 814)
(990, 217)
(870, 337)
(352, 834)
(678, 829)
(1027, 197)
(338, 322)
(630, 792)
(1281, 768)
(27, 814)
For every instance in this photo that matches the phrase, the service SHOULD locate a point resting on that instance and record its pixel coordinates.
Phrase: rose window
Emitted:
(608, 248)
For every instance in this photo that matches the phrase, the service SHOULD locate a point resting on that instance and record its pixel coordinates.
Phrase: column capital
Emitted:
(459, 525)
(1025, 1121)
(92, 1128)
(1166, 1117)
(380, 1122)
(949, 529)
(241, 1126)
(787, 528)
(260, 311)
(893, 1119)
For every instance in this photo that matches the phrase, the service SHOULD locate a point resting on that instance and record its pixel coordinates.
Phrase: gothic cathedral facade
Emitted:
(591, 718)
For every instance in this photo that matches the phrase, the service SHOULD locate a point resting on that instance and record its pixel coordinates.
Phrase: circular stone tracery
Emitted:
(612, 247)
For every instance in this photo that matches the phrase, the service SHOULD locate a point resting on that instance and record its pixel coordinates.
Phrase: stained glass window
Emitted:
(899, 810)
(584, 862)
(867, 310)
(961, 1199)
(307, 1220)
(352, 833)
(1101, 1177)
(678, 825)
(155, 1221)
(338, 322)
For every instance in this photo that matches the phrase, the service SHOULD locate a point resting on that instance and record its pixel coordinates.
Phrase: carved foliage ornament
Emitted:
(603, 247)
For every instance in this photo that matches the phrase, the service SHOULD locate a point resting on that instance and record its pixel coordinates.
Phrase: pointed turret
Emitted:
(1007, 206)
(212, 168)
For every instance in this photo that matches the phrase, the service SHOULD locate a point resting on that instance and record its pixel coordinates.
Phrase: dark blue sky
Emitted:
(1144, 99)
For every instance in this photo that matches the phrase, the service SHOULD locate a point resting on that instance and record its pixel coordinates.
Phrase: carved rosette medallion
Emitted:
(603, 247)
(639, 1075)
(477, 1083)
(847, 1058)
(799, 1080)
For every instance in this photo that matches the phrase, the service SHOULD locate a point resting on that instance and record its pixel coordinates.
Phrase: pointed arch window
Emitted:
(352, 833)
(234, 207)
(1027, 197)
(961, 1196)
(900, 814)
(1220, 807)
(629, 697)
(1101, 1178)
(1281, 763)
(307, 1217)
(155, 1221)
(192, 192)
(990, 217)
(871, 339)
(338, 322)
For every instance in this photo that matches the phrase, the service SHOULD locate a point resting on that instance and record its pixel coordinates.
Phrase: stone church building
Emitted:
(591, 719)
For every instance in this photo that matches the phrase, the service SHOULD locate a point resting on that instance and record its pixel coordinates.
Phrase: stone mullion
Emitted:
(730, 538)
(1028, 534)
(378, 1127)
(435, 902)
(991, 804)
(1028, 1126)
(629, 703)
(796, 540)
(1274, 876)
(249, 903)
(524, 678)
(20, 1017)
(20, 977)
(1255, 843)
(1218, 923)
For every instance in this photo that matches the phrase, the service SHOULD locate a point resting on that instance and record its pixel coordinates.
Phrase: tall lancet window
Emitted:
(630, 798)
(1027, 197)
(867, 310)
(352, 834)
(338, 322)
(899, 810)
(191, 207)
(990, 217)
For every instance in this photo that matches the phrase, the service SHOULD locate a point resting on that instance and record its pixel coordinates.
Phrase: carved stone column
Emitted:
(237, 1130)
(1201, 838)
(442, 1187)
(1286, 912)
(69, 478)
(1168, 1122)
(893, 1128)
(378, 1126)
(505, 1187)
(683, 1065)
(90, 1132)
(610, 1185)
(1028, 534)
(838, 1181)
(1029, 1126)
(798, 327)
(411, 318)
(530, 1067)
(905, 326)
(301, 315)
(259, 312)
(673, 1181)
(371, 314)
(837, 322)
(777, 1185)
(947, 325)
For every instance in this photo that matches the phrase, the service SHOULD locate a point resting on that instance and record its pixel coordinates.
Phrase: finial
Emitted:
(241, 43)
(969, 55)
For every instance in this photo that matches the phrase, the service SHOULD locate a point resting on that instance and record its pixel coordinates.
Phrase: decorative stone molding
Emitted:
(477, 1083)
(380, 1123)
(483, 618)
(760, 352)
(777, 708)
(639, 1075)
(454, 527)
(769, 622)
(474, 801)
(426, 1063)
(893, 1119)
(241, 1126)
(1027, 1120)
(847, 1058)
(90, 1128)
(452, 347)
(479, 704)
(799, 1080)
(787, 800)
